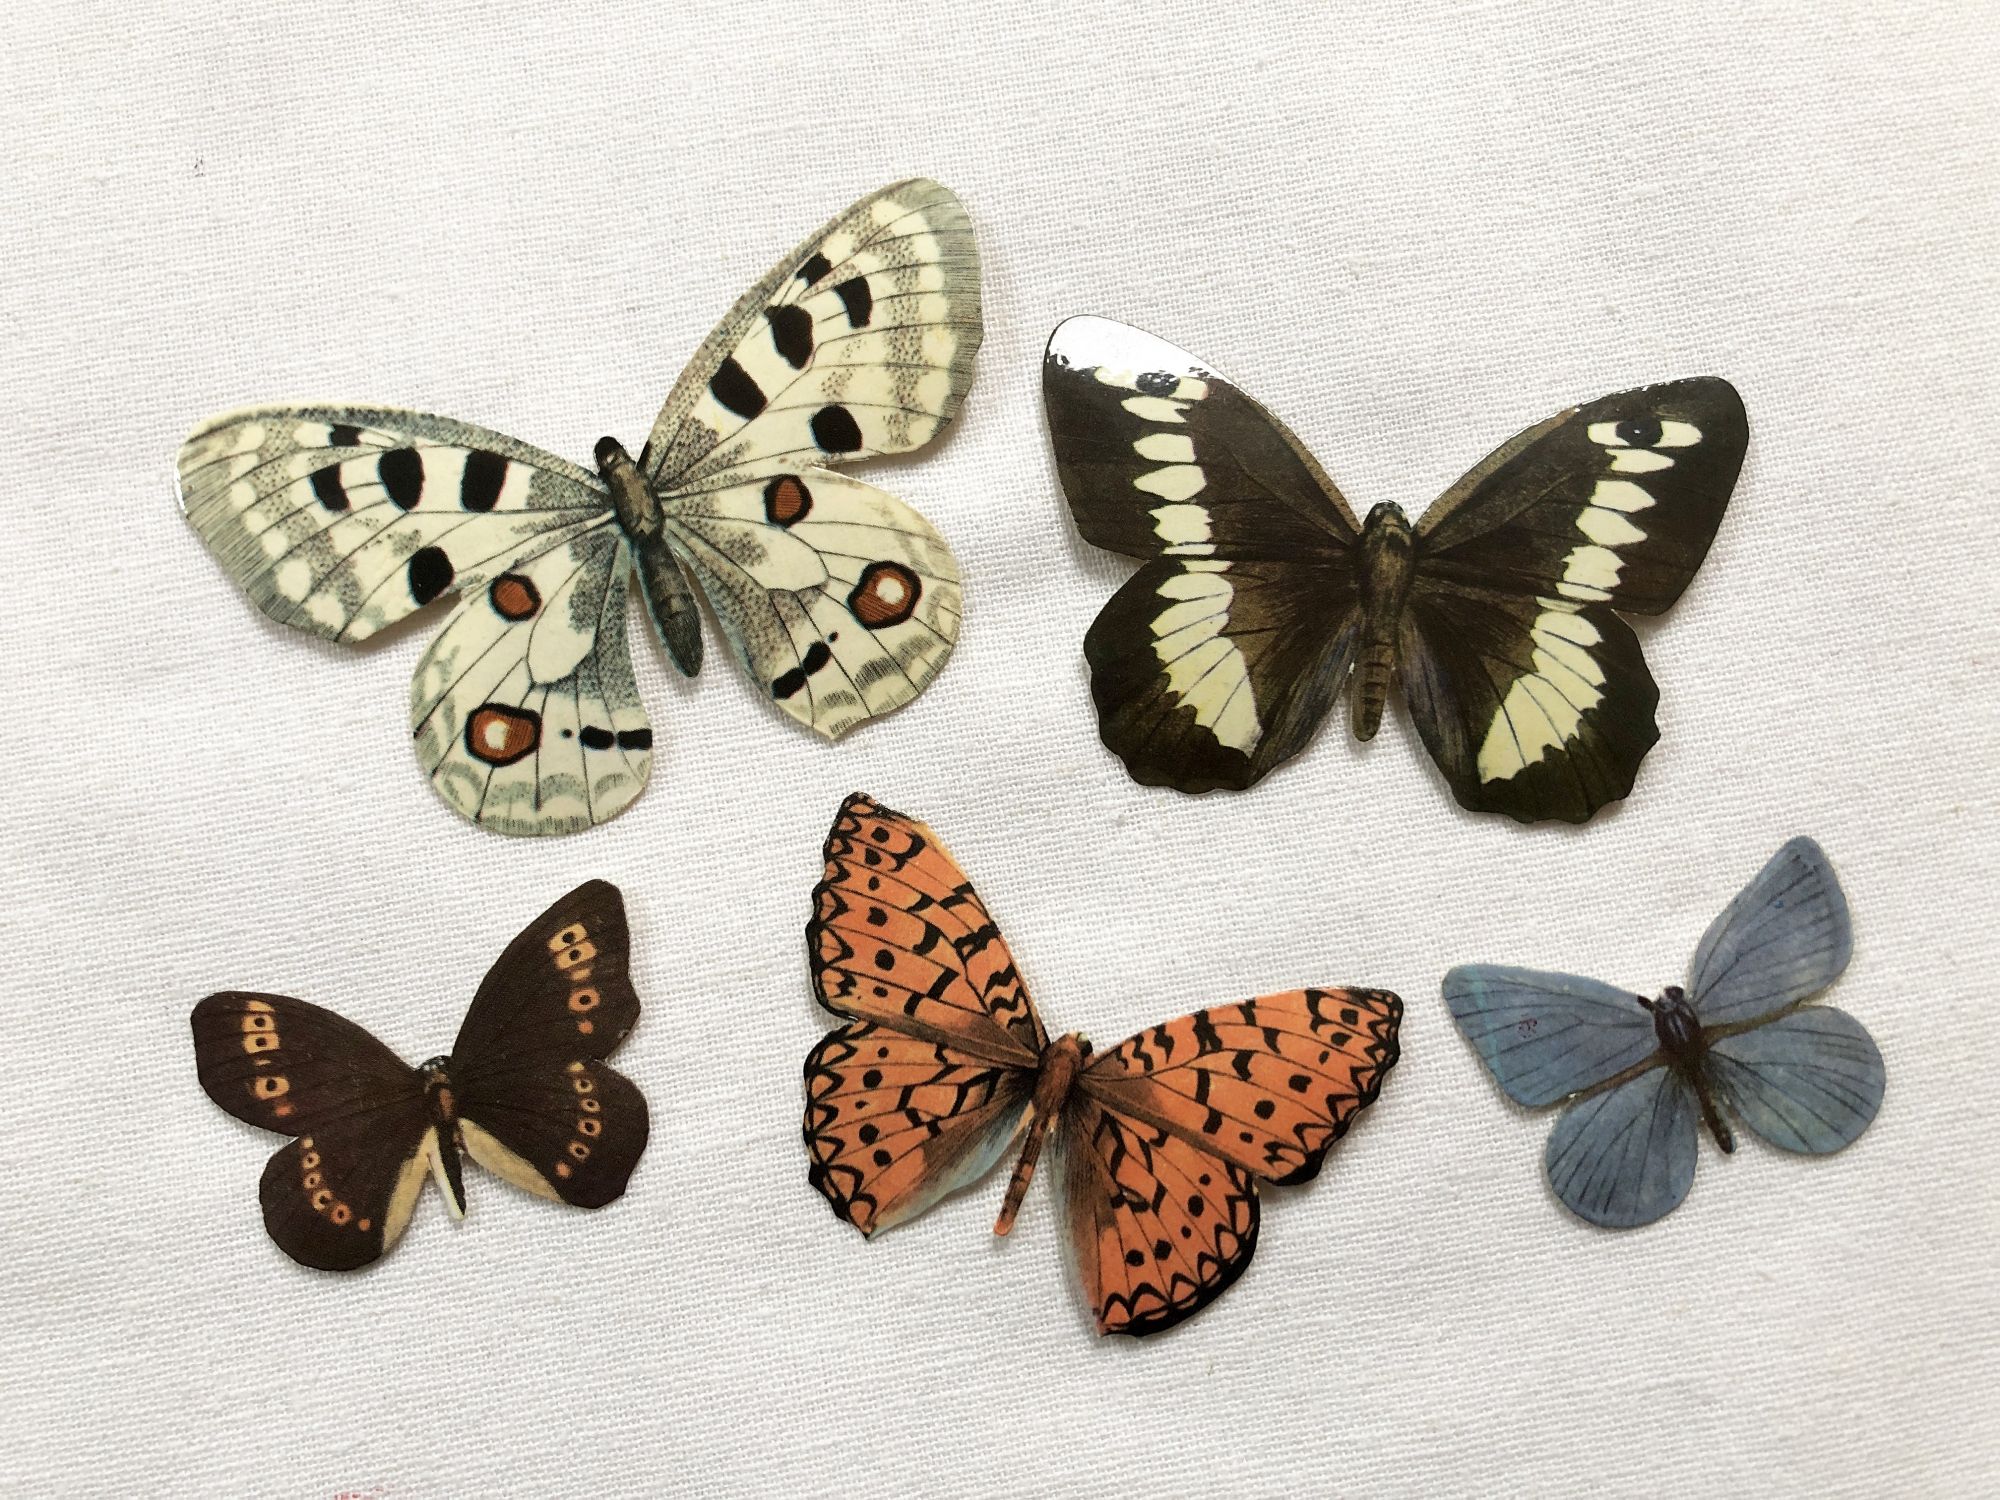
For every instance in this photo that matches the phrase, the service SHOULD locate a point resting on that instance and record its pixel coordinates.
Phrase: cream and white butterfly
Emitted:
(841, 601)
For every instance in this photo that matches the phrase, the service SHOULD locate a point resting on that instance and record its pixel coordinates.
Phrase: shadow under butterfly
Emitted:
(525, 1092)
(1262, 597)
(1644, 1074)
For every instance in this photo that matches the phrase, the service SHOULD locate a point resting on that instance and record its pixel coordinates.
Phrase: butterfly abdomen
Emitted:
(1386, 562)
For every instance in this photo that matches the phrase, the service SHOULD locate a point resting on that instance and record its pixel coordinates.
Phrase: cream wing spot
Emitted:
(1621, 494)
(1155, 409)
(1180, 482)
(1545, 706)
(1608, 528)
(1165, 448)
(1638, 461)
(1183, 527)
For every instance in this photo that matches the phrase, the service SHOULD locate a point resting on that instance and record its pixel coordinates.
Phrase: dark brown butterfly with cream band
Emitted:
(1262, 598)
(525, 1091)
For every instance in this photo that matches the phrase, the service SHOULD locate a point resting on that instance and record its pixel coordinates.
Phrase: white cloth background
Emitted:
(1409, 230)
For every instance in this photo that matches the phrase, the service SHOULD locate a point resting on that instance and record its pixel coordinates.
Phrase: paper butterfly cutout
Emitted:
(1262, 597)
(945, 1065)
(1739, 1040)
(525, 1091)
(838, 599)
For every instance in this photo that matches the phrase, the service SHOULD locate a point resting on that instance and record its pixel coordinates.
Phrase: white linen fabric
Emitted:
(1409, 229)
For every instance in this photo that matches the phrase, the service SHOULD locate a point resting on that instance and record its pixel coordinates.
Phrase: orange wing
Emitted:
(924, 1090)
(895, 1122)
(1158, 1228)
(899, 936)
(1268, 1085)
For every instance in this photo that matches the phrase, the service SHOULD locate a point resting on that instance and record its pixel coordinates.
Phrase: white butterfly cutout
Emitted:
(835, 596)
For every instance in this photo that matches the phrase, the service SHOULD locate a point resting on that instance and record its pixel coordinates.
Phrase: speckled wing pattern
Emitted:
(837, 597)
(1173, 1129)
(841, 601)
(1161, 1141)
(1214, 662)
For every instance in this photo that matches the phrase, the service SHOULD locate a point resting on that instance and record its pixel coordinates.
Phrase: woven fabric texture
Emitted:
(1410, 230)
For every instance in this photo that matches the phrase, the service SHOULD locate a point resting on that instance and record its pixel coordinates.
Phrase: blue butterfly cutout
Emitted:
(1738, 1041)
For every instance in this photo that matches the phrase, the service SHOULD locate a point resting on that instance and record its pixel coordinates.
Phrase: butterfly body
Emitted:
(840, 602)
(1160, 1142)
(1260, 598)
(525, 1091)
(1639, 1077)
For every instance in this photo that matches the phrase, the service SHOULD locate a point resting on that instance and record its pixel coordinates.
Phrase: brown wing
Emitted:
(573, 1132)
(1267, 1084)
(1158, 1228)
(338, 1196)
(895, 1122)
(899, 937)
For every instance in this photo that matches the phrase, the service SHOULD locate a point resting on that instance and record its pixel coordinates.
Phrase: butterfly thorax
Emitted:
(1685, 1047)
(1385, 559)
(1061, 1061)
(669, 599)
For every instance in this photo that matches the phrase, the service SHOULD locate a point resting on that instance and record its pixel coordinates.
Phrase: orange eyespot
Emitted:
(583, 1085)
(589, 1106)
(574, 954)
(342, 1213)
(321, 1199)
(260, 1041)
(585, 1125)
(269, 1085)
(579, 1151)
(583, 1000)
(310, 1159)
(569, 937)
(260, 1021)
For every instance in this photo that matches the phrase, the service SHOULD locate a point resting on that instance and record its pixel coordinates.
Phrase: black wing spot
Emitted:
(792, 333)
(1158, 383)
(858, 300)
(402, 473)
(835, 430)
(327, 488)
(635, 739)
(342, 435)
(817, 655)
(732, 386)
(485, 475)
(816, 266)
(1640, 432)
(431, 574)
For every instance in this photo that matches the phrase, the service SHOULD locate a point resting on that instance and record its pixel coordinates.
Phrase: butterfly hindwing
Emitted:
(524, 708)
(1547, 1036)
(840, 601)
(1158, 1228)
(895, 1122)
(1218, 659)
(1625, 1156)
(858, 343)
(340, 520)
(340, 1197)
(1268, 1084)
(1809, 1081)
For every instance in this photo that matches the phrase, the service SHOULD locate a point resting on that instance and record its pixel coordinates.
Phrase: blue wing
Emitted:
(1547, 1036)
(1625, 1157)
(1784, 937)
(1809, 1081)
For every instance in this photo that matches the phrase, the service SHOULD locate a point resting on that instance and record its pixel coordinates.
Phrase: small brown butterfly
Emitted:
(525, 1091)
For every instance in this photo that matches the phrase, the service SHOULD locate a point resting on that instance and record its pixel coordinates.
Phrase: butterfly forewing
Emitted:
(1158, 1228)
(340, 520)
(899, 936)
(1268, 1084)
(1218, 659)
(860, 342)
(1785, 936)
(1547, 1036)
